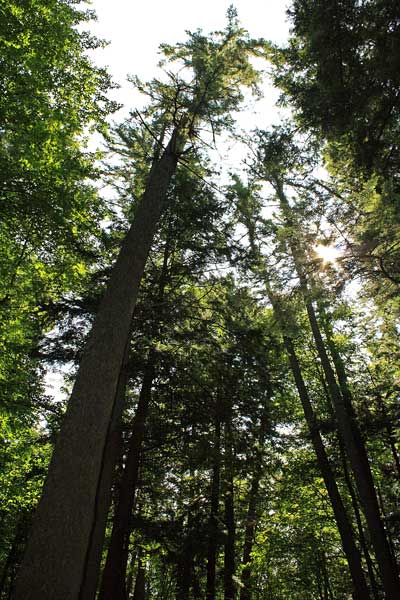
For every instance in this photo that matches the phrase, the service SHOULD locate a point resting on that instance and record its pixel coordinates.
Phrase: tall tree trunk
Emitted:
(185, 566)
(140, 583)
(245, 592)
(390, 432)
(358, 459)
(184, 572)
(325, 574)
(353, 496)
(113, 584)
(111, 454)
(361, 535)
(229, 549)
(347, 425)
(61, 531)
(114, 574)
(213, 522)
(360, 588)
(251, 517)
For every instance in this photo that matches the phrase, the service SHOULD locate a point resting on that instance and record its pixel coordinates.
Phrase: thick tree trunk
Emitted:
(213, 522)
(114, 574)
(112, 452)
(113, 584)
(65, 517)
(229, 549)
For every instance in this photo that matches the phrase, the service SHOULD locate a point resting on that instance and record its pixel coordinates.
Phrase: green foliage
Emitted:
(205, 300)
(341, 72)
(51, 95)
(297, 552)
(51, 98)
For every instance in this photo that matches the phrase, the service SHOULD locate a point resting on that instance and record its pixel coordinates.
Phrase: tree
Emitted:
(340, 74)
(73, 479)
(52, 96)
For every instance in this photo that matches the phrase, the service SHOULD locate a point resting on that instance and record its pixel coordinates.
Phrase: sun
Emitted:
(328, 254)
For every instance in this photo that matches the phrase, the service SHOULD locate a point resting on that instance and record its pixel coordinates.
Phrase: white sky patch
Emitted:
(135, 32)
(329, 254)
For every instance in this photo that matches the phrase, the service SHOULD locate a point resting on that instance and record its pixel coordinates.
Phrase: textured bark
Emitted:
(112, 452)
(114, 574)
(213, 522)
(63, 523)
(113, 583)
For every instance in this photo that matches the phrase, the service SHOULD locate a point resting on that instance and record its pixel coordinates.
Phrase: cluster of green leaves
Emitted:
(51, 98)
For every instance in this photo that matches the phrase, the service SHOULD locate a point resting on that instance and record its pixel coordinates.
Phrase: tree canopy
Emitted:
(229, 343)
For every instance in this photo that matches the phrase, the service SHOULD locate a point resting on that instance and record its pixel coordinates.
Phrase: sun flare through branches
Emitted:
(328, 254)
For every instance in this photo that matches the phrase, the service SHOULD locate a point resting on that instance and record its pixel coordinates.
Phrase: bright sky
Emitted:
(136, 29)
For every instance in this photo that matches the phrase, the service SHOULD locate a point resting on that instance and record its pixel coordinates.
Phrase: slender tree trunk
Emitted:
(140, 583)
(390, 434)
(392, 444)
(251, 517)
(245, 593)
(319, 586)
(129, 576)
(325, 574)
(383, 511)
(360, 588)
(114, 574)
(347, 426)
(355, 450)
(213, 522)
(229, 554)
(185, 566)
(361, 535)
(354, 499)
(63, 523)
(184, 572)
